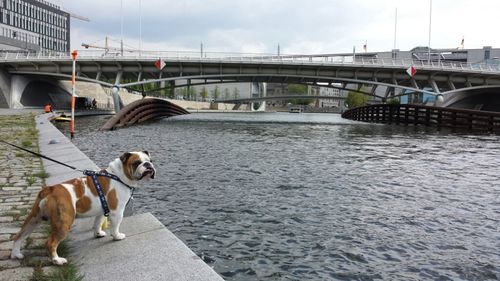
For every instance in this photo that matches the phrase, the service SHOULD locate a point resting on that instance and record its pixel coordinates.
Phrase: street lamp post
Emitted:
(140, 27)
(121, 26)
(430, 31)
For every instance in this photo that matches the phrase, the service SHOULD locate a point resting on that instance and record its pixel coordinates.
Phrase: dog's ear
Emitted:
(146, 152)
(125, 157)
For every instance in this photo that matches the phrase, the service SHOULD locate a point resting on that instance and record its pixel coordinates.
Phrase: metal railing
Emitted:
(327, 59)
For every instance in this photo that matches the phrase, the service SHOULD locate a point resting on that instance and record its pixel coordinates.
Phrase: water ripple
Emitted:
(315, 197)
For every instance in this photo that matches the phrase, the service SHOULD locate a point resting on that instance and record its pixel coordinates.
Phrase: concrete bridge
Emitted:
(23, 75)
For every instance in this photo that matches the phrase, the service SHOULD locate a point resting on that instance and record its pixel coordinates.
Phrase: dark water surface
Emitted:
(314, 197)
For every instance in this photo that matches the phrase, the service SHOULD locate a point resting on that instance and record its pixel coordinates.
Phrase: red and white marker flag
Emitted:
(411, 71)
(160, 64)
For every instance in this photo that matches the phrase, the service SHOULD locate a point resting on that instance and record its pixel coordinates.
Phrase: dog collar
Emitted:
(99, 189)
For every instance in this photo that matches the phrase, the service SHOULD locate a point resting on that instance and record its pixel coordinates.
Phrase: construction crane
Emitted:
(82, 18)
(76, 16)
(106, 46)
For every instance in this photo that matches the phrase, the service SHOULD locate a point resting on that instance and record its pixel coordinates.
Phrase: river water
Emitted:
(279, 196)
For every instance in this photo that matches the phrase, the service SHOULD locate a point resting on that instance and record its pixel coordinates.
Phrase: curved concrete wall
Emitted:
(488, 100)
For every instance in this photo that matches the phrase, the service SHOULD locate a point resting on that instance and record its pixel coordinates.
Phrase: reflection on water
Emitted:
(315, 197)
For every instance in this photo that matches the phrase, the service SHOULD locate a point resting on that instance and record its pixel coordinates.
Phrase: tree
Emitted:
(299, 90)
(192, 93)
(356, 99)
(186, 93)
(227, 94)
(204, 94)
(394, 101)
(180, 92)
(215, 93)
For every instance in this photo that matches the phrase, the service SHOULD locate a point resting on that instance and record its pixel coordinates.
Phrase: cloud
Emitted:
(299, 26)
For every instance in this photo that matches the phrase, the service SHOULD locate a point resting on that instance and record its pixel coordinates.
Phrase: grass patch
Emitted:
(42, 175)
(28, 242)
(30, 180)
(20, 154)
(27, 143)
(68, 272)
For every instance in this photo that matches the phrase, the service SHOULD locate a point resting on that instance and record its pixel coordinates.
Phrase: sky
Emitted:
(297, 26)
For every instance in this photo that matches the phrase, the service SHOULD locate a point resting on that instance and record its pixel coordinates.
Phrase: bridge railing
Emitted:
(327, 59)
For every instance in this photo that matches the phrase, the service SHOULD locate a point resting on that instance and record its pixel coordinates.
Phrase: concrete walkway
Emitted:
(150, 251)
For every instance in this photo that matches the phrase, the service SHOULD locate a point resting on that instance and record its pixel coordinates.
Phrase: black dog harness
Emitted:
(99, 189)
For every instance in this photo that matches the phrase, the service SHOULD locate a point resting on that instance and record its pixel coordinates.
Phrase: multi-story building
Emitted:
(317, 90)
(33, 25)
(487, 55)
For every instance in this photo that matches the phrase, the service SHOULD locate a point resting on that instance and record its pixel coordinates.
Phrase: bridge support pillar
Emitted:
(18, 84)
(258, 90)
(116, 98)
(434, 86)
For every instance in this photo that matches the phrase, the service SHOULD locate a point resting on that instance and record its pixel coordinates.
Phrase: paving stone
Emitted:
(6, 219)
(42, 260)
(4, 254)
(38, 235)
(36, 243)
(14, 199)
(5, 208)
(17, 274)
(12, 188)
(4, 237)
(6, 245)
(9, 229)
(10, 212)
(10, 204)
(35, 252)
(10, 263)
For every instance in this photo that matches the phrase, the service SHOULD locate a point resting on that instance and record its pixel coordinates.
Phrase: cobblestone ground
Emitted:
(21, 178)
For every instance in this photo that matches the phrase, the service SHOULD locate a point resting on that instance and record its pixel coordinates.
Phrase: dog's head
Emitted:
(137, 165)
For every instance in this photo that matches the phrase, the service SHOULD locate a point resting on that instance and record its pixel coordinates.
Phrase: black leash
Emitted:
(90, 173)
(42, 156)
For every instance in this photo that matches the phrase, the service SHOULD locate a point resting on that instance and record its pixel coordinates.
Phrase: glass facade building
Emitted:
(33, 25)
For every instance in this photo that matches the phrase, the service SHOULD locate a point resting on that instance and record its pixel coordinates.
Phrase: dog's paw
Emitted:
(119, 236)
(16, 256)
(99, 234)
(59, 261)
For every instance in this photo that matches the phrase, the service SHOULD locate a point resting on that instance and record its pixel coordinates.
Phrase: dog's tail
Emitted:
(34, 214)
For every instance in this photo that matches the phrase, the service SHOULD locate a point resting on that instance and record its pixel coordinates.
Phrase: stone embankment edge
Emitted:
(150, 251)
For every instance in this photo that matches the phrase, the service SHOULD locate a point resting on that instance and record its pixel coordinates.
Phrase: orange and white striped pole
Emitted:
(74, 54)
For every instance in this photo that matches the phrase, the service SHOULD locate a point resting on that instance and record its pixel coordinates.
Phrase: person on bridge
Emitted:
(48, 108)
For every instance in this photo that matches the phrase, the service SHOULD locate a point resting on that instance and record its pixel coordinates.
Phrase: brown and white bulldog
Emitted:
(61, 203)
